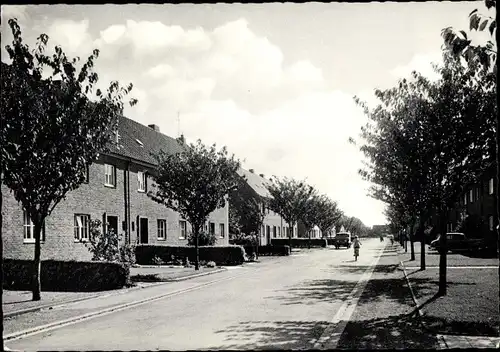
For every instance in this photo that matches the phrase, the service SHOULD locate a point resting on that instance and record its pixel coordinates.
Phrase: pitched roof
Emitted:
(256, 182)
(138, 141)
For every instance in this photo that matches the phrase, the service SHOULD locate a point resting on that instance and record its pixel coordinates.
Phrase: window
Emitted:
(490, 186)
(141, 181)
(212, 228)
(490, 222)
(110, 175)
(182, 229)
(471, 193)
(262, 231)
(279, 231)
(274, 231)
(82, 227)
(29, 229)
(162, 229)
(465, 198)
(222, 231)
(478, 192)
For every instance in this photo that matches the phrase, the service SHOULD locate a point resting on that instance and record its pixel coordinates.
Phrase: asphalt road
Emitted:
(280, 303)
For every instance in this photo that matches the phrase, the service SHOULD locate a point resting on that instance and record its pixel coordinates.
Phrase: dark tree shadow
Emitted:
(393, 332)
(379, 333)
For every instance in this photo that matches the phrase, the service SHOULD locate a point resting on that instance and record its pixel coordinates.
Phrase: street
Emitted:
(295, 302)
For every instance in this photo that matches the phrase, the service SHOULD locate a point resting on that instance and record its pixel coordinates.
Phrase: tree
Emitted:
(51, 130)
(289, 199)
(194, 182)
(311, 215)
(485, 56)
(419, 171)
(246, 214)
(330, 214)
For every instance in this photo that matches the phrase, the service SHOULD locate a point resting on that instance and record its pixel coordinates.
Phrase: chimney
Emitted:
(252, 170)
(261, 175)
(154, 127)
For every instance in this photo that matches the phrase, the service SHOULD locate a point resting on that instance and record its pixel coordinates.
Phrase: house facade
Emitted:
(273, 225)
(115, 192)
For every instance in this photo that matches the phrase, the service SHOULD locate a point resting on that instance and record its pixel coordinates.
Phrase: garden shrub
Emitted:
(277, 250)
(300, 242)
(57, 275)
(221, 255)
(204, 239)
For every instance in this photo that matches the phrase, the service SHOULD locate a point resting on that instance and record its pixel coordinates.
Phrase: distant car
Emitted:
(342, 239)
(457, 241)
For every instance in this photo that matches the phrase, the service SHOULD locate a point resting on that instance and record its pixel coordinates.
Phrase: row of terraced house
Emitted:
(478, 201)
(115, 192)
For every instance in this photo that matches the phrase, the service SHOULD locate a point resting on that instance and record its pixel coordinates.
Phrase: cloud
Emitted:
(421, 63)
(72, 36)
(232, 87)
(14, 11)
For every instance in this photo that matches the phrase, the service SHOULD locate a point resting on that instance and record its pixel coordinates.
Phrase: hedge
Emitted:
(299, 242)
(221, 255)
(58, 275)
(269, 250)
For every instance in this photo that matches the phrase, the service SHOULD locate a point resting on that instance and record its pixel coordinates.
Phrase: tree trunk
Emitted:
(290, 233)
(196, 248)
(443, 252)
(421, 236)
(412, 240)
(1, 250)
(37, 264)
(497, 194)
(309, 241)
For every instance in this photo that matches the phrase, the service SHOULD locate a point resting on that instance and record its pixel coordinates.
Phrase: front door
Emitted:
(143, 230)
(112, 222)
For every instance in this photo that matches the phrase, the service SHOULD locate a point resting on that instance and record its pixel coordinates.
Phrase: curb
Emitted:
(138, 287)
(72, 320)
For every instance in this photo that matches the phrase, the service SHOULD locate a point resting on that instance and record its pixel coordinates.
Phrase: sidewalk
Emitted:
(467, 317)
(383, 317)
(19, 302)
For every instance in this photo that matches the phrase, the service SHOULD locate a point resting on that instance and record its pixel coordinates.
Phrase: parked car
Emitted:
(342, 239)
(457, 241)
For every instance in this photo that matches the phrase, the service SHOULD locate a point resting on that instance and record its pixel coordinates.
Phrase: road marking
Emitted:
(455, 267)
(331, 335)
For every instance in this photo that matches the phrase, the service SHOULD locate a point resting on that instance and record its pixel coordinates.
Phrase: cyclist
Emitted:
(356, 244)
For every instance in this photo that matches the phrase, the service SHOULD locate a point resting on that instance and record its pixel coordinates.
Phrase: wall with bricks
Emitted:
(99, 201)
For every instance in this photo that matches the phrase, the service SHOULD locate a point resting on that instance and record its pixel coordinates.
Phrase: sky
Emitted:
(272, 82)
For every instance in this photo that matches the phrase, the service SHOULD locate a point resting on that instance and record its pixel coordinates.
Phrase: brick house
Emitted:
(315, 232)
(273, 226)
(478, 200)
(115, 192)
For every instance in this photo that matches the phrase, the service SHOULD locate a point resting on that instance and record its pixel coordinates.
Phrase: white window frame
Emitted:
(491, 222)
(141, 181)
(110, 175)
(29, 228)
(81, 227)
(222, 230)
(491, 186)
(162, 229)
(182, 226)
